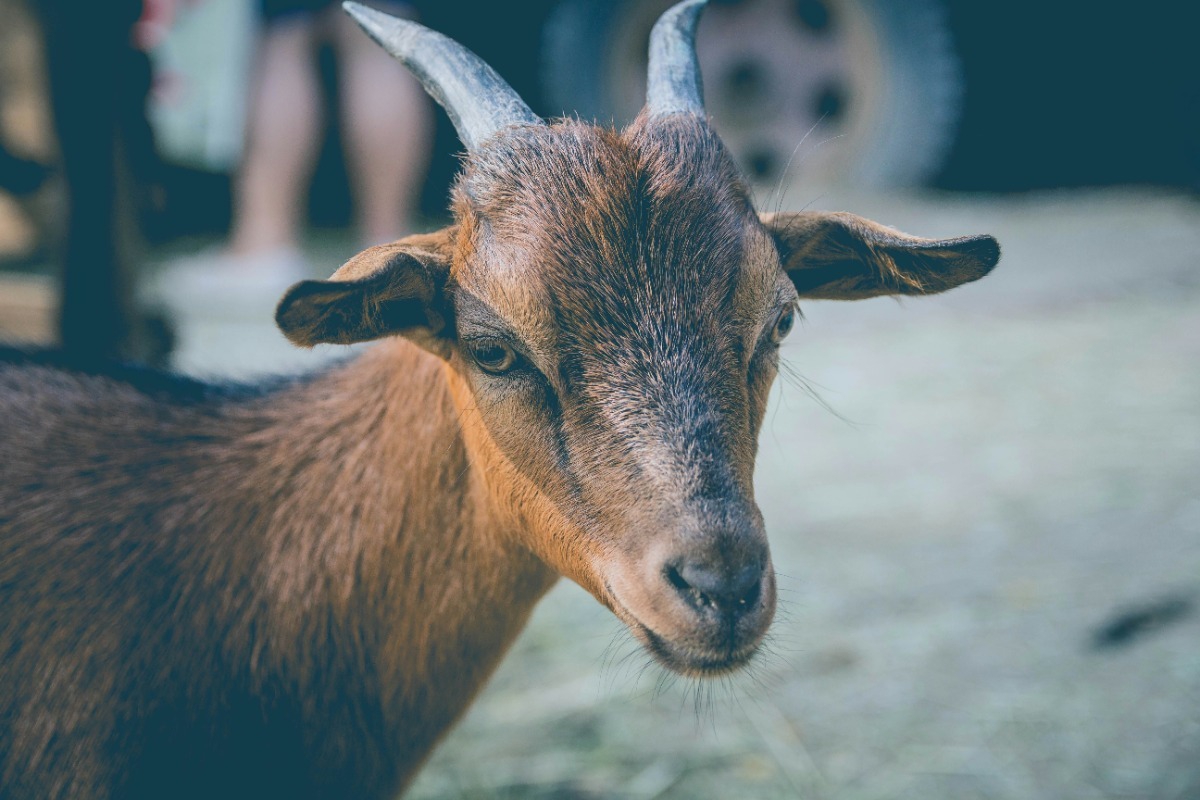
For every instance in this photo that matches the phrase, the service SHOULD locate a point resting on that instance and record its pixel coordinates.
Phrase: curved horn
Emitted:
(673, 83)
(478, 100)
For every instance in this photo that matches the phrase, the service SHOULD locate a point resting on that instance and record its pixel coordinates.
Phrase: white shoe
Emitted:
(223, 285)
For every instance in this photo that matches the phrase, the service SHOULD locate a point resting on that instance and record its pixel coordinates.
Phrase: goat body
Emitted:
(229, 593)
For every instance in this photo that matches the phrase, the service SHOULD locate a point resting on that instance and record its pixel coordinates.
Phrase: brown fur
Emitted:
(264, 562)
(296, 592)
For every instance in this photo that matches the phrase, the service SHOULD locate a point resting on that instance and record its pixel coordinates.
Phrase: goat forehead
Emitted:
(611, 246)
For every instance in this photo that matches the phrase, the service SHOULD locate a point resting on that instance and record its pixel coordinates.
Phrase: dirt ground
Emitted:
(988, 547)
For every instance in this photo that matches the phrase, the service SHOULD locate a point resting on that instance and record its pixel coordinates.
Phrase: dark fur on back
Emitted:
(151, 382)
(96, 579)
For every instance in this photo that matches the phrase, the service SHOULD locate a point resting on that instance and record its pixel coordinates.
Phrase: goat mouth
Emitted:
(695, 663)
(689, 661)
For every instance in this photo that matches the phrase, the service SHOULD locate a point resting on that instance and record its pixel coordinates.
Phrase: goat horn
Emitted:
(478, 100)
(673, 83)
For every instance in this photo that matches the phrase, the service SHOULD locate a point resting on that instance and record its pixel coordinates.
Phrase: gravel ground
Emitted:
(988, 543)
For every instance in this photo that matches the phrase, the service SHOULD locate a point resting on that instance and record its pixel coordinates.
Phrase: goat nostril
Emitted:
(676, 579)
(750, 595)
(703, 587)
(692, 594)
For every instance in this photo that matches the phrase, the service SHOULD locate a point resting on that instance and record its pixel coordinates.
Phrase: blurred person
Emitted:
(386, 124)
(20, 176)
(99, 79)
(22, 179)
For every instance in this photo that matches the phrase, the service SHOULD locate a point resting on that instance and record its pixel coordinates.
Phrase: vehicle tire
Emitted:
(846, 92)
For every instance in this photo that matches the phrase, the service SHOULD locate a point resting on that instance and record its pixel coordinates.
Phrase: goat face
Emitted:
(609, 308)
(617, 325)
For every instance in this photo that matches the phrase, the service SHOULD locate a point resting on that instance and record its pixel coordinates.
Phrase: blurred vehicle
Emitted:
(955, 94)
(862, 92)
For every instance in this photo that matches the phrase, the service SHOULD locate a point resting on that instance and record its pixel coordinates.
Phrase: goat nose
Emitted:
(704, 585)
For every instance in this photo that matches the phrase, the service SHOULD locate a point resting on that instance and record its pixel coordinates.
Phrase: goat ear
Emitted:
(396, 288)
(840, 256)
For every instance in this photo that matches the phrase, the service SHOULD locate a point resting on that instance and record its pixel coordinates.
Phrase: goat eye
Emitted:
(493, 357)
(783, 324)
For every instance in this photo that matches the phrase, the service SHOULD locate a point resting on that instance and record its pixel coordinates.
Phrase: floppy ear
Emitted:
(396, 288)
(840, 256)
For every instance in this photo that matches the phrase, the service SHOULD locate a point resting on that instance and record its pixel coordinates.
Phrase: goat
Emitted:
(295, 590)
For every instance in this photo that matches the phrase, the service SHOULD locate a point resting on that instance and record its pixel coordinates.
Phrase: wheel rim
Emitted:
(796, 88)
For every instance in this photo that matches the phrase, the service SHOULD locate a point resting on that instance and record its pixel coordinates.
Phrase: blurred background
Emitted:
(985, 507)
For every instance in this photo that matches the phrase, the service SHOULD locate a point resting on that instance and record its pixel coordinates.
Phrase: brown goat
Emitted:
(295, 590)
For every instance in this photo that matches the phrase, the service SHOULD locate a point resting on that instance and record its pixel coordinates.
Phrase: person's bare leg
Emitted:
(387, 127)
(283, 131)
